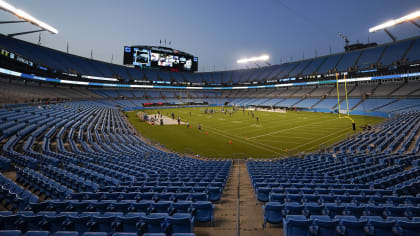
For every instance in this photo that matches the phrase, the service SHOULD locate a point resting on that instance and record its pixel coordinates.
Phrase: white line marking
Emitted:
(296, 127)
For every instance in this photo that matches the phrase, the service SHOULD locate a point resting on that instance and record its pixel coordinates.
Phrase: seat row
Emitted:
(358, 199)
(186, 182)
(74, 233)
(13, 196)
(263, 192)
(294, 180)
(275, 210)
(39, 183)
(212, 194)
(123, 206)
(350, 225)
(109, 223)
(274, 184)
(161, 186)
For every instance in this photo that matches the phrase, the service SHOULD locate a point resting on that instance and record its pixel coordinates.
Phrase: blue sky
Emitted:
(219, 31)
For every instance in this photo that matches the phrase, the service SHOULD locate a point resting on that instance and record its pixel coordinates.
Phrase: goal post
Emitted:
(346, 112)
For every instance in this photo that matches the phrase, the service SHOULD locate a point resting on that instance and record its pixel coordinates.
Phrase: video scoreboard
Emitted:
(160, 58)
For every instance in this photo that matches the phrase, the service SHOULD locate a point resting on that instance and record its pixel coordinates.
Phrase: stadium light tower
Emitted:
(384, 26)
(263, 58)
(26, 17)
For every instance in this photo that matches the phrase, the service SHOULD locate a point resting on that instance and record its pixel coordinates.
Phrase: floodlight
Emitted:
(391, 23)
(27, 17)
(253, 59)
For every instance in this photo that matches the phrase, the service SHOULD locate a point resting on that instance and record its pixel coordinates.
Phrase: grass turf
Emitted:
(276, 134)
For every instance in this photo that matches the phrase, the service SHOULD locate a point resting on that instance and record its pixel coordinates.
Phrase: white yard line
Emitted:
(328, 140)
(296, 127)
(239, 139)
(294, 148)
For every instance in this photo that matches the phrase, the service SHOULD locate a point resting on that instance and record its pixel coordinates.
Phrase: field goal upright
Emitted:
(347, 110)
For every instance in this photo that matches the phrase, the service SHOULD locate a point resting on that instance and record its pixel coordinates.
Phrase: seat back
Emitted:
(296, 225)
(181, 223)
(154, 223)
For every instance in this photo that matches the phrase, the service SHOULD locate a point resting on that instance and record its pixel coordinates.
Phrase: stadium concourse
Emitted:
(72, 164)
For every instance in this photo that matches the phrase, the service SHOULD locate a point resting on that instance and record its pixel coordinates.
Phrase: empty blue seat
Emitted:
(183, 234)
(161, 207)
(37, 233)
(181, 223)
(294, 198)
(154, 223)
(296, 225)
(180, 196)
(395, 211)
(164, 196)
(54, 222)
(273, 213)
(8, 221)
(80, 206)
(198, 197)
(353, 209)
(312, 208)
(375, 210)
(182, 207)
(65, 233)
(104, 223)
(120, 207)
(214, 193)
(203, 211)
(80, 223)
(148, 196)
(94, 234)
(129, 223)
(310, 198)
(124, 234)
(323, 225)
(29, 222)
(293, 208)
(407, 228)
(350, 225)
(10, 233)
(142, 206)
(378, 226)
(263, 194)
(413, 211)
(278, 197)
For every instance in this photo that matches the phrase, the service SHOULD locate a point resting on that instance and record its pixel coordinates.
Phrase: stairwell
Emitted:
(408, 135)
(389, 103)
(361, 100)
(413, 143)
(317, 103)
(396, 89)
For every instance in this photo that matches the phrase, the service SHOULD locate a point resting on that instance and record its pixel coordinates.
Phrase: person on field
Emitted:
(179, 120)
(258, 119)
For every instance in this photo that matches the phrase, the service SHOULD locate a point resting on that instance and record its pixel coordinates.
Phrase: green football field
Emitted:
(240, 135)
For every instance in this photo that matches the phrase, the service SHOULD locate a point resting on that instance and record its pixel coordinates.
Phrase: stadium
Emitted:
(153, 145)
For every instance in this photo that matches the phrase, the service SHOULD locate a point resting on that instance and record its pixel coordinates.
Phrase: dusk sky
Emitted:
(218, 32)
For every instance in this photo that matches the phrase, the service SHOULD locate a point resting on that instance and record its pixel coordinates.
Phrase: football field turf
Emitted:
(240, 135)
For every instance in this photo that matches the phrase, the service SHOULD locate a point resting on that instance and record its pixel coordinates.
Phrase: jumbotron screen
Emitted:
(159, 57)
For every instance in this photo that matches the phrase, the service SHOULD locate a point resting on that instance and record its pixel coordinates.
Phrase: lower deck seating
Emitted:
(98, 177)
